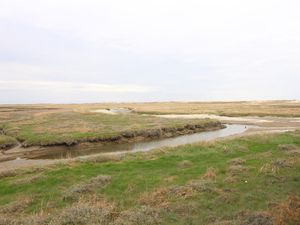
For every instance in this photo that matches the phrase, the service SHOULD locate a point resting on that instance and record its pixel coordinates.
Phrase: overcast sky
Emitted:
(64, 51)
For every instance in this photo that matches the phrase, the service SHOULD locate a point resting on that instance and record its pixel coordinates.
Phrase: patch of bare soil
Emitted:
(162, 197)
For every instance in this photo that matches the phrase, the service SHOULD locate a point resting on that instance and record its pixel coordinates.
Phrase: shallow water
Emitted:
(95, 148)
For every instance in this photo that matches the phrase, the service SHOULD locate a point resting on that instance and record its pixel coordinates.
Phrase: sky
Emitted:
(75, 51)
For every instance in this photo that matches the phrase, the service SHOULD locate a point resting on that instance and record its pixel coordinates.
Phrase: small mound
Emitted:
(269, 168)
(256, 218)
(185, 164)
(158, 198)
(237, 169)
(16, 207)
(27, 179)
(281, 163)
(182, 192)
(83, 214)
(85, 187)
(210, 174)
(139, 216)
(237, 161)
(30, 220)
(295, 152)
(287, 212)
(202, 185)
(287, 147)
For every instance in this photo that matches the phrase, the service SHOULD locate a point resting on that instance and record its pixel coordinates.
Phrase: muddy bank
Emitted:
(24, 151)
(132, 136)
(6, 146)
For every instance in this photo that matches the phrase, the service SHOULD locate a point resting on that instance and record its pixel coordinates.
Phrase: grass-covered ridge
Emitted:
(59, 126)
(7, 142)
(226, 182)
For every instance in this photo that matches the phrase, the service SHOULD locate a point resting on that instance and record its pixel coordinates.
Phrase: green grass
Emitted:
(142, 173)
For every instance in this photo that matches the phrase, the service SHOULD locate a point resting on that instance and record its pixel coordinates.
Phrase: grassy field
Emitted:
(247, 181)
(49, 126)
(247, 108)
(242, 108)
(255, 108)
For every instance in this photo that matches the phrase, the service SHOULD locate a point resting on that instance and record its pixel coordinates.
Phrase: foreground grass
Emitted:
(240, 181)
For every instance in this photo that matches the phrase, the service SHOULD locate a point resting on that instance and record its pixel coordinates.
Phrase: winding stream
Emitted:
(90, 149)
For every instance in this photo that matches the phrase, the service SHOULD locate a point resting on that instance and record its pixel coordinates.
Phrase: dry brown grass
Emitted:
(16, 207)
(226, 196)
(287, 212)
(76, 191)
(269, 168)
(295, 152)
(143, 215)
(85, 213)
(283, 213)
(287, 147)
(202, 185)
(25, 220)
(237, 161)
(236, 170)
(255, 218)
(89, 211)
(228, 149)
(8, 173)
(162, 197)
(157, 198)
(27, 179)
(210, 174)
(185, 209)
(259, 108)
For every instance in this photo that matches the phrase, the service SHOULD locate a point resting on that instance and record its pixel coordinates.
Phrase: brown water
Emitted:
(96, 148)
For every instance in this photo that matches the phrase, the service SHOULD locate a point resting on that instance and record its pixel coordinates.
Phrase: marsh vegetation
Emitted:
(249, 180)
(246, 180)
